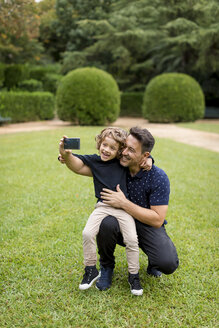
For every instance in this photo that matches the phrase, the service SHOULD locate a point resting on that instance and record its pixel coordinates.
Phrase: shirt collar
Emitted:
(139, 175)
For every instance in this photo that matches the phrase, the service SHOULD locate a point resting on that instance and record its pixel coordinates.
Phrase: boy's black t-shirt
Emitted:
(105, 174)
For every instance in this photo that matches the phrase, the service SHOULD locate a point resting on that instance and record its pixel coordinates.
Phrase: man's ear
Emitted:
(146, 154)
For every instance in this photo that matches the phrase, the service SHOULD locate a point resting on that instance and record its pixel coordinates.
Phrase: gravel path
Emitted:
(197, 138)
(202, 139)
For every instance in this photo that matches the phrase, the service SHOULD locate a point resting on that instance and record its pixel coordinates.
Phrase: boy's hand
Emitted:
(62, 151)
(61, 159)
(146, 165)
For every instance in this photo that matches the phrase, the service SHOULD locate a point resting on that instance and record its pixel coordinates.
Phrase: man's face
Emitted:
(132, 155)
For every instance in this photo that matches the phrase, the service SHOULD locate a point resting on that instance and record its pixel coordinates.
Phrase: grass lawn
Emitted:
(203, 126)
(43, 209)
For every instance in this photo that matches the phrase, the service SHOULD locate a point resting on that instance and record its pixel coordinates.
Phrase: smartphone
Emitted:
(72, 143)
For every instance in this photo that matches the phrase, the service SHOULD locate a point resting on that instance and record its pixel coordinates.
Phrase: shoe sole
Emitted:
(87, 286)
(103, 289)
(136, 292)
(155, 276)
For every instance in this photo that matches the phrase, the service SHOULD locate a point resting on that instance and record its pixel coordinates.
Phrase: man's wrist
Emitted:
(124, 203)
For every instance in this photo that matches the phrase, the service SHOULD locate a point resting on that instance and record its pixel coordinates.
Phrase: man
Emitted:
(147, 203)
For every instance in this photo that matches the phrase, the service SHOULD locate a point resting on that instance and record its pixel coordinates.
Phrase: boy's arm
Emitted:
(73, 163)
(147, 163)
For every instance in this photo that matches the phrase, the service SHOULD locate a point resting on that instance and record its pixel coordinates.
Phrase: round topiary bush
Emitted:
(173, 97)
(88, 96)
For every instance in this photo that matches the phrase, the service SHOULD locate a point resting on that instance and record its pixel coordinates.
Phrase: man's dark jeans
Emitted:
(154, 242)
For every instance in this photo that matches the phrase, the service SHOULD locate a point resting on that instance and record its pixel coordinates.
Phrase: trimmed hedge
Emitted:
(14, 74)
(27, 106)
(2, 74)
(173, 97)
(31, 85)
(51, 82)
(39, 72)
(88, 96)
(131, 104)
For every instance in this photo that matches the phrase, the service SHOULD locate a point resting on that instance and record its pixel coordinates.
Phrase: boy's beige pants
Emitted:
(128, 230)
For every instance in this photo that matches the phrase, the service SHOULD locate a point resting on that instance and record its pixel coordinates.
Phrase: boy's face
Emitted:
(108, 149)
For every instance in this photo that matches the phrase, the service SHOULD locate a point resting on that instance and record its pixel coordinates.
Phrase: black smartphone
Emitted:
(72, 143)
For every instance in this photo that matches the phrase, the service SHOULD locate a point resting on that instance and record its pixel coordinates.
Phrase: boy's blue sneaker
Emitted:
(153, 272)
(91, 274)
(105, 280)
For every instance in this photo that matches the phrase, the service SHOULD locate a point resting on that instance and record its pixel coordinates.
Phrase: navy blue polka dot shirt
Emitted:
(149, 188)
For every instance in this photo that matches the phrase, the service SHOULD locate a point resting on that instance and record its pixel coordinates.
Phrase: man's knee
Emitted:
(109, 225)
(168, 264)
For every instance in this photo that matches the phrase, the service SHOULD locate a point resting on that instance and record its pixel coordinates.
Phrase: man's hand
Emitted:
(153, 216)
(146, 164)
(113, 198)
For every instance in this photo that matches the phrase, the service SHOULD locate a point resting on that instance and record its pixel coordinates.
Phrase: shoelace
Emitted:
(136, 283)
(88, 273)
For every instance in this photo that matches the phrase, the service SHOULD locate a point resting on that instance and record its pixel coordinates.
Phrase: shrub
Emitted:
(88, 96)
(27, 106)
(14, 74)
(51, 82)
(131, 104)
(2, 74)
(173, 97)
(31, 85)
(39, 72)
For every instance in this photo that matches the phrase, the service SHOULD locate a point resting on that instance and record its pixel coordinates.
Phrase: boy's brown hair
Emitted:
(118, 134)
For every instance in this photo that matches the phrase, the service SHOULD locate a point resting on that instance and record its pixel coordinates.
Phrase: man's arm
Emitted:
(154, 216)
(72, 162)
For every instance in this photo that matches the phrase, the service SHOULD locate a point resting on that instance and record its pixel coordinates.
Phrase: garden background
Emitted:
(44, 207)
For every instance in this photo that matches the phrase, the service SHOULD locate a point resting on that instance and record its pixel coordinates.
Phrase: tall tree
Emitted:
(136, 40)
(19, 24)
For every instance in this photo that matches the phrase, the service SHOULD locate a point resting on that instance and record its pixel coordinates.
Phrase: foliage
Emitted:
(131, 104)
(132, 40)
(2, 74)
(39, 72)
(47, 29)
(51, 82)
(173, 97)
(137, 40)
(30, 85)
(19, 31)
(88, 96)
(15, 74)
(44, 208)
(65, 28)
(27, 106)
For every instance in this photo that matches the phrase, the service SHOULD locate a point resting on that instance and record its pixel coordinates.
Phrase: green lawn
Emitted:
(204, 126)
(43, 210)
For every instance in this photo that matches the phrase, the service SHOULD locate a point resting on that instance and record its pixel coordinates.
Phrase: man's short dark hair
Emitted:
(145, 137)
